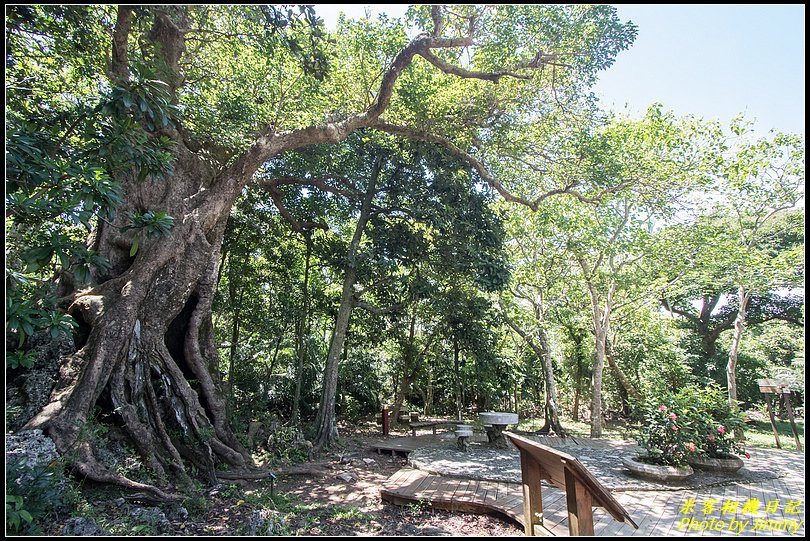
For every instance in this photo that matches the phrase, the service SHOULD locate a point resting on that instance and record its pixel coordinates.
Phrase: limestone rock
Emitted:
(82, 526)
(265, 522)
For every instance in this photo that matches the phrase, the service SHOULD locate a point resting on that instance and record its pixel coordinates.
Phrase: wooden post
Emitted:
(789, 406)
(532, 495)
(385, 419)
(773, 421)
(580, 506)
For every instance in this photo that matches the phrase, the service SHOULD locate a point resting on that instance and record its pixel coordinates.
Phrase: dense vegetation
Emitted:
(239, 216)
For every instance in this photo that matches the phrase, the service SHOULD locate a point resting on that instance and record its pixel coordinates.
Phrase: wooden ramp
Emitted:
(658, 513)
(454, 493)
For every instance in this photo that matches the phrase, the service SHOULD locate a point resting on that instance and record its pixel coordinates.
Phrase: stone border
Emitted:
(726, 464)
(659, 473)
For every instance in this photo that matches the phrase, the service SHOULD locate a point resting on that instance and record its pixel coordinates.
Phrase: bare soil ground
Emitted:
(335, 495)
(351, 477)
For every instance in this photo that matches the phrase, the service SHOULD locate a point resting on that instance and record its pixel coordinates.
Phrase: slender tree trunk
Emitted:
(542, 351)
(601, 329)
(276, 351)
(552, 409)
(408, 368)
(303, 336)
(596, 391)
(429, 393)
(731, 368)
(237, 310)
(457, 379)
(326, 426)
(619, 373)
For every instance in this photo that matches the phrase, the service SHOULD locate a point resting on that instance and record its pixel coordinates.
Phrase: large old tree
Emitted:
(146, 123)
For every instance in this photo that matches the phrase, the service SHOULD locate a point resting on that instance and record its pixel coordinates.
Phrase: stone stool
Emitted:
(463, 434)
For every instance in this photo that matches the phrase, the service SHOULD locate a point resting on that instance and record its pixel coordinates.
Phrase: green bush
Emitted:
(667, 431)
(695, 421)
(33, 495)
(715, 421)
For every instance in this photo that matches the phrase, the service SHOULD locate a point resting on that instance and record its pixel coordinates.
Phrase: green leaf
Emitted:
(134, 249)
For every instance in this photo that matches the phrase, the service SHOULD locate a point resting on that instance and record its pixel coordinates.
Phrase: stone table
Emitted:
(498, 421)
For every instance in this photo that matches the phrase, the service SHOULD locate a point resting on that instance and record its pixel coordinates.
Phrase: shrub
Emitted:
(34, 493)
(666, 432)
(715, 421)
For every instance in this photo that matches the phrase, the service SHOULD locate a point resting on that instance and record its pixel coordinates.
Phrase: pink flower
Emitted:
(691, 447)
(673, 416)
(721, 429)
(710, 437)
(675, 428)
(662, 408)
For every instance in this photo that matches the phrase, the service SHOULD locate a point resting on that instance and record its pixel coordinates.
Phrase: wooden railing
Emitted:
(583, 491)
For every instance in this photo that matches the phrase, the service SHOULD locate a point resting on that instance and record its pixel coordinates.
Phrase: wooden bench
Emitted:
(583, 491)
(431, 424)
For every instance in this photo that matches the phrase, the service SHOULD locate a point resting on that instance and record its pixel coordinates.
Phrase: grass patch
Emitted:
(760, 434)
(580, 429)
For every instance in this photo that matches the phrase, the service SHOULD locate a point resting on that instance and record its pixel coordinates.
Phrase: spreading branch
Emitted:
(278, 199)
(483, 171)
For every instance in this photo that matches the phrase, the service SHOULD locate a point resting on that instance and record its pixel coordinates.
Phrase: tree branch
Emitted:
(119, 63)
(483, 171)
(300, 227)
(451, 69)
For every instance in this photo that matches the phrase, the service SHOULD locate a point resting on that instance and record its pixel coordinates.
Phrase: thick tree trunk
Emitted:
(149, 333)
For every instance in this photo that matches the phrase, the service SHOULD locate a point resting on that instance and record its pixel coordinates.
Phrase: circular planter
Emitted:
(656, 472)
(728, 463)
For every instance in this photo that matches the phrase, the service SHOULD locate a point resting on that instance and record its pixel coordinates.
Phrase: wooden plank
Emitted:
(580, 505)
(531, 474)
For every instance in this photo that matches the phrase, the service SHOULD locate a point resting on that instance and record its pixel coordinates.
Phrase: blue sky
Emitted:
(708, 60)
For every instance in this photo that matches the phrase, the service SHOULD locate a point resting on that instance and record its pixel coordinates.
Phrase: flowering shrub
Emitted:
(696, 421)
(666, 433)
(715, 422)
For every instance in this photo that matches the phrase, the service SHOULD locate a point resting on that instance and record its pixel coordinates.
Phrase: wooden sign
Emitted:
(769, 387)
